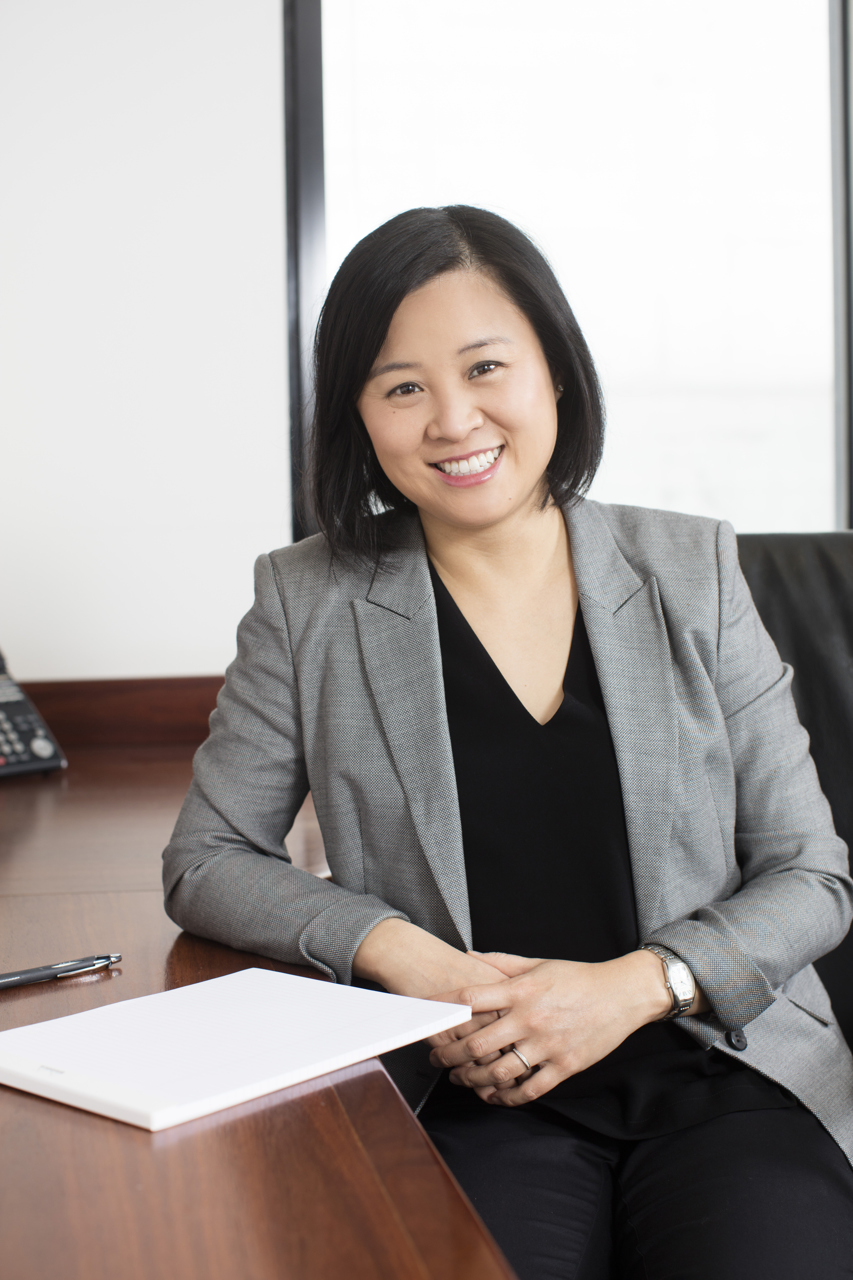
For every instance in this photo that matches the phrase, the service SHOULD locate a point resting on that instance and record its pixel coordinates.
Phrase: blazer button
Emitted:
(736, 1040)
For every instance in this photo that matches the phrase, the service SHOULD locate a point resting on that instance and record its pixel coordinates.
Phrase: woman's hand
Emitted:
(563, 1016)
(408, 961)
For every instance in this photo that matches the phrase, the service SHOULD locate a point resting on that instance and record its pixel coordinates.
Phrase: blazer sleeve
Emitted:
(226, 871)
(796, 898)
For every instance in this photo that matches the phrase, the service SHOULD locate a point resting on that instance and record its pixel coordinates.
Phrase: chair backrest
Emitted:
(802, 584)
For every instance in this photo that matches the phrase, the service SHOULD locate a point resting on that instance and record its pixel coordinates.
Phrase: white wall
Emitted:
(142, 330)
(673, 160)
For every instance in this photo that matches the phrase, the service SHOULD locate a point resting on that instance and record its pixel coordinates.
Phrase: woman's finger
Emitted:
(501, 1072)
(508, 964)
(484, 998)
(489, 1089)
(452, 1054)
(485, 1042)
(536, 1085)
(524, 1072)
(461, 1032)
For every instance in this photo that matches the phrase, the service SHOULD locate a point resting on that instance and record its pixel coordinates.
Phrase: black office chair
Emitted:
(802, 584)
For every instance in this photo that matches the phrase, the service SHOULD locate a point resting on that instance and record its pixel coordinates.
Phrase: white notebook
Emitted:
(160, 1060)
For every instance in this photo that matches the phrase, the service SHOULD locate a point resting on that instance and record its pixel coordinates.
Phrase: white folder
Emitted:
(163, 1059)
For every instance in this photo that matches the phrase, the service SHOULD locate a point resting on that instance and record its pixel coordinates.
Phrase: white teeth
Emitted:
(471, 466)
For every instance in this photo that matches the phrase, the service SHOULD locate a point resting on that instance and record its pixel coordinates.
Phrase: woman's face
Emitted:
(461, 405)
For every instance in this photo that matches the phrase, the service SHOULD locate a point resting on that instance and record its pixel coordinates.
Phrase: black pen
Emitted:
(67, 969)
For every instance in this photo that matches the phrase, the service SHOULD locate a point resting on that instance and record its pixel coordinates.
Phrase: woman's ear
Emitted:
(558, 387)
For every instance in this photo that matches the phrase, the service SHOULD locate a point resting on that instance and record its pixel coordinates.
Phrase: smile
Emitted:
(471, 466)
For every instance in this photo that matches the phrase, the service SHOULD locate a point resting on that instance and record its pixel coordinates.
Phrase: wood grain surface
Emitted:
(155, 711)
(103, 822)
(332, 1178)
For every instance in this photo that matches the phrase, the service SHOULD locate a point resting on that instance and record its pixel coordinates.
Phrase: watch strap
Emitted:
(667, 957)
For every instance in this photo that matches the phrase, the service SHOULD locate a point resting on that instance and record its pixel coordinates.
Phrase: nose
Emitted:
(455, 415)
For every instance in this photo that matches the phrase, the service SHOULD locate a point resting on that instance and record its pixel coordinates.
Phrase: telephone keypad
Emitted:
(24, 740)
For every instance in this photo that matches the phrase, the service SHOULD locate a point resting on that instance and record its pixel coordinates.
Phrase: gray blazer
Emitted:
(337, 686)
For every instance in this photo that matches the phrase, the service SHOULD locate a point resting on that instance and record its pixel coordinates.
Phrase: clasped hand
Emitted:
(561, 1014)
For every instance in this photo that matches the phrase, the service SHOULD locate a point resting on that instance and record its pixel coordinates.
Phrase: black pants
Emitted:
(753, 1195)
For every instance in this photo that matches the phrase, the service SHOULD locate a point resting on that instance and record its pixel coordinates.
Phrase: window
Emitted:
(673, 161)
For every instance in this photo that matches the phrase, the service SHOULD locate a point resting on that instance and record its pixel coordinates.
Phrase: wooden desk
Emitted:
(330, 1179)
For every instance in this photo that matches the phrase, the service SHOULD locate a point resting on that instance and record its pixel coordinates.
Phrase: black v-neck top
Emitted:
(549, 874)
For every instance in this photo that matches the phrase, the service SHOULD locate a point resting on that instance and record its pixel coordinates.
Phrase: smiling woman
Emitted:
(560, 779)
(510, 331)
(468, 443)
(432, 436)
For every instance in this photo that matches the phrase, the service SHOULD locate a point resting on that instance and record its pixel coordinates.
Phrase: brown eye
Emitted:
(486, 367)
(407, 389)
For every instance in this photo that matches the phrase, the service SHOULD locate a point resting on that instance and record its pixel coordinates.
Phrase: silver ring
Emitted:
(519, 1054)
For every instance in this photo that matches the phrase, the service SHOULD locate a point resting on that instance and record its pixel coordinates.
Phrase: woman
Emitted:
(542, 736)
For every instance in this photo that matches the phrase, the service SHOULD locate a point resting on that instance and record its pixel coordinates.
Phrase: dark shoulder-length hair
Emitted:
(346, 488)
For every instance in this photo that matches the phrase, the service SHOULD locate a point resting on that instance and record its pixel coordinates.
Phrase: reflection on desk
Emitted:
(330, 1178)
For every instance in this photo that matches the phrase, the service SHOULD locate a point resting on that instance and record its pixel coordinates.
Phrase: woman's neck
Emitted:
(517, 555)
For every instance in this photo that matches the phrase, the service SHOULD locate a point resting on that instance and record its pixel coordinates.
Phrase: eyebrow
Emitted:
(482, 342)
(396, 366)
(393, 367)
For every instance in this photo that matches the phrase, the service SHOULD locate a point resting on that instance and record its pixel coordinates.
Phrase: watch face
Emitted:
(681, 980)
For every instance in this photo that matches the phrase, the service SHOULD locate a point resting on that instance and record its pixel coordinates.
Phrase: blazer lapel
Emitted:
(628, 638)
(398, 634)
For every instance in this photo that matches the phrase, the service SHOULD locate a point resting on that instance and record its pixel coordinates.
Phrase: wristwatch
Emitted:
(678, 978)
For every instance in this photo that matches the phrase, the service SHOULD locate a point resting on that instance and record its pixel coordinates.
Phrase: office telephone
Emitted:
(26, 743)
